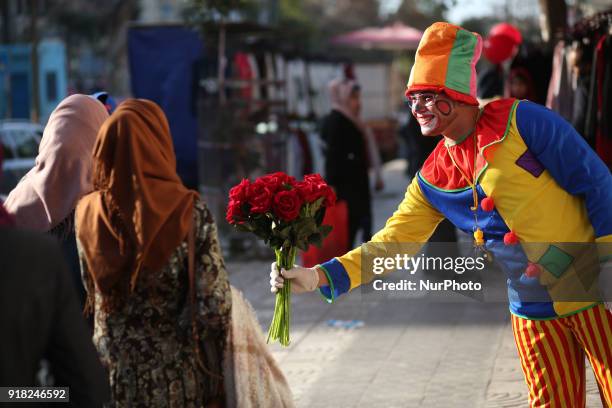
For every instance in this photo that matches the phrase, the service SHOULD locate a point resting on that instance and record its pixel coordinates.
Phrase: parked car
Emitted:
(19, 140)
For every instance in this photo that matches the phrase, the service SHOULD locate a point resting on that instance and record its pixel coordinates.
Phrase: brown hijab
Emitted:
(139, 211)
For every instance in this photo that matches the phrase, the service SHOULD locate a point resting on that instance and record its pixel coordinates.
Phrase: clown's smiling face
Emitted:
(434, 111)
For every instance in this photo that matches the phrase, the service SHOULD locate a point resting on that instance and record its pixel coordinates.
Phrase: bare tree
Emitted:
(553, 20)
(420, 13)
(119, 19)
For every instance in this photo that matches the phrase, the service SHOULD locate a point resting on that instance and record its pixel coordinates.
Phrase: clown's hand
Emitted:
(302, 279)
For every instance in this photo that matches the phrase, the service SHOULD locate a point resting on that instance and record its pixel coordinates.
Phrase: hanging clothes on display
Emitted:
(270, 76)
(244, 72)
(297, 90)
(280, 68)
(582, 78)
(256, 75)
(598, 114)
(561, 87)
(262, 69)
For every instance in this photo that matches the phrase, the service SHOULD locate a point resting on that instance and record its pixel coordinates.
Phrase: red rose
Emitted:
(287, 205)
(239, 192)
(259, 196)
(307, 191)
(315, 179)
(330, 197)
(314, 187)
(277, 181)
(234, 212)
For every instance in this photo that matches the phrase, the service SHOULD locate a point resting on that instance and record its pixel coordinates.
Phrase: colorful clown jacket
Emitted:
(548, 188)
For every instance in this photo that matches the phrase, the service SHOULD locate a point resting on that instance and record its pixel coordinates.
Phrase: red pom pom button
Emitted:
(487, 204)
(511, 238)
(533, 270)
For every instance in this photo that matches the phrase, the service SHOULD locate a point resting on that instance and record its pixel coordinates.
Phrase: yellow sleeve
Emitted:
(413, 222)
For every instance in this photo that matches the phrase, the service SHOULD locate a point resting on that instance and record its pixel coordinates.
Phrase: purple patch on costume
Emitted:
(530, 163)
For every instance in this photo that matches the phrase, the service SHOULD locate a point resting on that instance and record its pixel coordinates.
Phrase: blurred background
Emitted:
(244, 82)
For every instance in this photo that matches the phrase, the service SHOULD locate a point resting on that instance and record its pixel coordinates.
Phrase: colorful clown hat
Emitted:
(446, 62)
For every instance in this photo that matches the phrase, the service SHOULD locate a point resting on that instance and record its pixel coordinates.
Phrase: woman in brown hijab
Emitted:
(161, 315)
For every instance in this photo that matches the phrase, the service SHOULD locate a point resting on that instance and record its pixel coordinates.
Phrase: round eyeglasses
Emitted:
(426, 99)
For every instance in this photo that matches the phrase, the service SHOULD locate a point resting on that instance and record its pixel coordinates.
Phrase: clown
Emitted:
(523, 183)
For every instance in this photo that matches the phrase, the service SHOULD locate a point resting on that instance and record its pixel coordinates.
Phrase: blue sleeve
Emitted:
(339, 281)
(569, 160)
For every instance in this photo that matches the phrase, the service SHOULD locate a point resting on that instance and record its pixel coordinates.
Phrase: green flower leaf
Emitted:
(316, 239)
(302, 244)
(315, 206)
(324, 230)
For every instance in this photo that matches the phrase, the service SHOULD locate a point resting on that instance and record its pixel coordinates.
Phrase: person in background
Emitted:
(350, 150)
(520, 84)
(491, 82)
(45, 199)
(374, 163)
(500, 47)
(40, 319)
(152, 267)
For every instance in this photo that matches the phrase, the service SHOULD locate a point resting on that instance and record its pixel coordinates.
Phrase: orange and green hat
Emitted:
(446, 62)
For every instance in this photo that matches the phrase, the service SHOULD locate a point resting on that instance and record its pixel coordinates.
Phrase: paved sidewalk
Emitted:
(367, 350)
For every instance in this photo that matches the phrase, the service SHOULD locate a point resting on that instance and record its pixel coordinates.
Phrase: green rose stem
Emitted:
(279, 328)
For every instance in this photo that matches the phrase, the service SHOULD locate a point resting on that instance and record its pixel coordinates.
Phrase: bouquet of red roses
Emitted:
(288, 215)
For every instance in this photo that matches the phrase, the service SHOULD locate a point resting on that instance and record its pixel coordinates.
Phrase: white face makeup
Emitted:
(428, 122)
(433, 112)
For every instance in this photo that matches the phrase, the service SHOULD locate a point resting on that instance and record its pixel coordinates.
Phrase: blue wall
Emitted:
(16, 77)
(53, 81)
(16, 73)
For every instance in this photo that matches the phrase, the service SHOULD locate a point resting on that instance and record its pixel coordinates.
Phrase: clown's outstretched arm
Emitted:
(570, 161)
(412, 223)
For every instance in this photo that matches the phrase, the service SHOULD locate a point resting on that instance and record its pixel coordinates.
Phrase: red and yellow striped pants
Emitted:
(553, 352)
